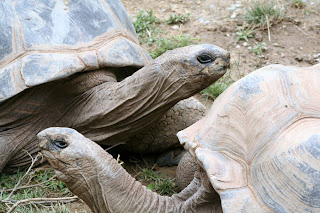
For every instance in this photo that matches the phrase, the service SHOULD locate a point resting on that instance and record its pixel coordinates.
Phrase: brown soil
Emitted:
(294, 41)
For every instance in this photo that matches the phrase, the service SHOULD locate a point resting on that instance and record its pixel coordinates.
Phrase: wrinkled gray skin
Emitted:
(93, 175)
(106, 111)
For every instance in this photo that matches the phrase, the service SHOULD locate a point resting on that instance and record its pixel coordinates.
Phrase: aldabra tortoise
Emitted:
(66, 63)
(97, 178)
(260, 142)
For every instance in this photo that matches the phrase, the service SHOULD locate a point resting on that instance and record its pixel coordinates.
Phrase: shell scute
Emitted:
(55, 39)
(6, 35)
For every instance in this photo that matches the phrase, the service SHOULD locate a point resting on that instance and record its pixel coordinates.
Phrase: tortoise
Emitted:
(105, 186)
(79, 64)
(260, 142)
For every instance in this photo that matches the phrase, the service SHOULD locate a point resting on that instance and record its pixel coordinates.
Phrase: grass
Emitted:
(244, 33)
(145, 26)
(158, 182)
(258, 48)
(215, 89)
(35, 184)
(178, 19)
(165, 44)
(296, 3)
(261, 12)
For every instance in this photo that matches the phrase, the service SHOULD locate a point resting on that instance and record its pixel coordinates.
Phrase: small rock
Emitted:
(283, 55)
(228, 35)
(309, 59)
(249, 48)
(223, 29)
(301, 48)
(299, 58)
(258, 36)
(238, 46)
(175, 27)
(316, 55)
(233, 16)
(245, 44)
(231, 8)
(201, 20)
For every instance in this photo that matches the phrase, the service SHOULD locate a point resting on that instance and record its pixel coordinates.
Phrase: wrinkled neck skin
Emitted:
(111, 189)
(93, 103)
(106, 111)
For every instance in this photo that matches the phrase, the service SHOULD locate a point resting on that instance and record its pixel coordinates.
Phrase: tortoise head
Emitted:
(201, 64)
(68, 151)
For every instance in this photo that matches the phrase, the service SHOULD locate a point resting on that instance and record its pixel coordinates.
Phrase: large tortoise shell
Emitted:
(260, 142)
(46, 40)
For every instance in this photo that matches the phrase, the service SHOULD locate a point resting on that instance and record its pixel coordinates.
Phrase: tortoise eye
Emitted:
(60, 143)
(205, 58)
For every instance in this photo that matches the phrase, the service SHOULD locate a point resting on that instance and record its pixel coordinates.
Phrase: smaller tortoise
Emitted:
(97, 178)
(260, 142)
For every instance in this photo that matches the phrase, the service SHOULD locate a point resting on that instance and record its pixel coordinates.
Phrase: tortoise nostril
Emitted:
(205, 58)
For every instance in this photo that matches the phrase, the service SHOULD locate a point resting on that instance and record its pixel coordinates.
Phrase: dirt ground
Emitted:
(293, 41)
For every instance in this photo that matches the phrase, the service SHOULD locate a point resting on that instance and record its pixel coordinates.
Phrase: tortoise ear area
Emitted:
(223, 172)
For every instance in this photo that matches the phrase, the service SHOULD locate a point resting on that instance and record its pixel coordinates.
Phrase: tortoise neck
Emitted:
(112, 112)
(110, 188)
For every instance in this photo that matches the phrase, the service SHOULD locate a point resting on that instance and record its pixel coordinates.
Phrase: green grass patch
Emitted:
(35, 184)
(146, 26)
(157, 181)
(244, 33)
(297, 3)
(258, 48)
(178, 19)
(262, 13)
(215, 89)
(165, 44)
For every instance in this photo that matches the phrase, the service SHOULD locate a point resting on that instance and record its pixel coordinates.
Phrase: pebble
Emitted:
(238, 46)
(175, 27)
(231, 8)
(234, 15)
(245, 44)
(316, 55)
(203, 21)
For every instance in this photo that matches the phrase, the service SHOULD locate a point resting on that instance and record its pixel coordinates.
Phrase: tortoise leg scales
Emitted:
(161, 137)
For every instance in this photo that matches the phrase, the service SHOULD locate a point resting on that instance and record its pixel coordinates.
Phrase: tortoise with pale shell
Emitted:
(260, 142)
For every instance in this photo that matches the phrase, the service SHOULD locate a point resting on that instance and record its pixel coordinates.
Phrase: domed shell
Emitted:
(260, 142)
(46, 40)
